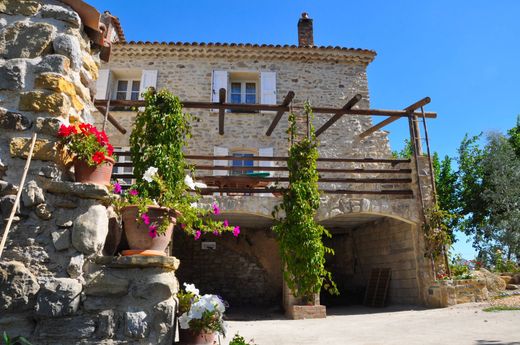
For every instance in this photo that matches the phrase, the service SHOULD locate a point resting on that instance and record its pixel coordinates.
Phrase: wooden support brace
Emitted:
(111, 119)
(339, 114)
(286, 101)
(221, 111)
(409, 109)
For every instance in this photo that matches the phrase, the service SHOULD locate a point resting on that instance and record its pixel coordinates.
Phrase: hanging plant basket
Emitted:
(137, 233)
(98, 174)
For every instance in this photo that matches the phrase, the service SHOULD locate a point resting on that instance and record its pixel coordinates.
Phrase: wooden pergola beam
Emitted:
(286, 101)
(221, 111)
(409, 111)
(339, 114)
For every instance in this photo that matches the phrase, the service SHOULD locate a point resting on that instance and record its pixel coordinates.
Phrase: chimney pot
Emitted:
(305, 31)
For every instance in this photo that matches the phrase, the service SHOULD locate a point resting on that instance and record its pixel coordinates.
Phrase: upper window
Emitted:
(241, 163)
(127, 90)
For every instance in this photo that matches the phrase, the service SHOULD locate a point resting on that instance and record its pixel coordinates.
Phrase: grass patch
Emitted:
(500, 308)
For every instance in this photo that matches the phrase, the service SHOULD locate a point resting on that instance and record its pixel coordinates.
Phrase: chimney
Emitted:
(305, 35)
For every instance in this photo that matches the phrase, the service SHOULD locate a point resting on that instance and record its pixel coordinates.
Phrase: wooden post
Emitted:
(18, 195)
(221, 111)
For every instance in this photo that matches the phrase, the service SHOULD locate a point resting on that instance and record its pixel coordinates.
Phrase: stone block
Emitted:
(90, 230)
(54, 63)
(43, 211)
(61, 13)
(69, 46)
(82, 190)
(44, 150)
(26, 40)
(19, 324)
(54, 103)
(512, 287)
(55, 82)
(18, 287)
(12, 74)
(61, 239)
(164, 285)
(7, 188)
(300, 312)
(48, 125)
(78, 327)
(506, 279)
(90, 66)
(6, 205)
(136, 261)
(107, 324)
(23, 7)
(32, 194)
(136, 325)
(13, 121)
(75, 267)
(58, 297)
(77, 103)
(106, 284)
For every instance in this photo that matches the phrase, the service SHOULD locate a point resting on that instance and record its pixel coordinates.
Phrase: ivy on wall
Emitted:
(299, 235)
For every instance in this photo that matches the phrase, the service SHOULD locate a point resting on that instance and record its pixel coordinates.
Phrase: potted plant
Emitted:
(200, 317)
(164, 194)
(93, 161)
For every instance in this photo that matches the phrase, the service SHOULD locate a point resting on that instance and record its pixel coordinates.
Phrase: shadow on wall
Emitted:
(495, 342)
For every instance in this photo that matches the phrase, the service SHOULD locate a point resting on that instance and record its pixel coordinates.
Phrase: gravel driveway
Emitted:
(464, 324)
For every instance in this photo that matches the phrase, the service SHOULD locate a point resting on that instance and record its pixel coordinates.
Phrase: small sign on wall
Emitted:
(208, 245)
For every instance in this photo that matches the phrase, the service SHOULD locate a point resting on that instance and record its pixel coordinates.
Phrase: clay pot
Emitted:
(137, 232)
(189, 337)
(99, 174)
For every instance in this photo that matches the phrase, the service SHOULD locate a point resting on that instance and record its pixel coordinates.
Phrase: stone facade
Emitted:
(53, 289)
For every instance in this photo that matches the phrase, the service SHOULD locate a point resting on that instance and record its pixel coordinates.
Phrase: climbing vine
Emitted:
(300, 236)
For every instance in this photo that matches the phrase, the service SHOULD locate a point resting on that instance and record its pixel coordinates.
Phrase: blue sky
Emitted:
(464, 54)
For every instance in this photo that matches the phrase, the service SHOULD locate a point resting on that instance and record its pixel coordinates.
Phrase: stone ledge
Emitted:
(169, 263)
(83, 190)
(301, 312)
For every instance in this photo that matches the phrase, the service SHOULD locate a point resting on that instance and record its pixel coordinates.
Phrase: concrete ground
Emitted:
(464, 324)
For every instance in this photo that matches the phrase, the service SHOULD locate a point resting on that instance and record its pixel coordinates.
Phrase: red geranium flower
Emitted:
(98, 157)
(110, 149)
(64, 131)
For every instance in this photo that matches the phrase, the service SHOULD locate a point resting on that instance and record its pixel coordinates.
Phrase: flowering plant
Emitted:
(86, 142)
(198, 313)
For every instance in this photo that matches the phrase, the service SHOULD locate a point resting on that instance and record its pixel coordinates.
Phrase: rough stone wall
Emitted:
(47, 73)
(245, 271)
(387, 243)
(450, 292)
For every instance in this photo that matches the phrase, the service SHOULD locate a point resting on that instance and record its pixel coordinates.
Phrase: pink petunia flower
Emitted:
(216, 233)
(117, 188)
(133, 192)
(197, 234)
(226, 223)
(216, 209)
(236, 231)
(152, 231)
(183, 226)
(145, 218)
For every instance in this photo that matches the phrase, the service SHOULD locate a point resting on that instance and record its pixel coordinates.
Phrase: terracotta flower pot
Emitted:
(189, 337)
(99, 174)
(137, 232)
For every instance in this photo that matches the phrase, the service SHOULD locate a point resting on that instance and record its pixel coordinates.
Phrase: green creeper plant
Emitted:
(299, 235)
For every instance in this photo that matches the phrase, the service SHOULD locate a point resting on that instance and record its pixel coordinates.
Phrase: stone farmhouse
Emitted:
(377, 229)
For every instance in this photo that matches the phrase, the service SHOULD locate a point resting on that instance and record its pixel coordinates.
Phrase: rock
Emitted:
(58, 297)
(75, 268)
(48, 125)
(107, 324)
(6, 205)
(90, 66)
(493, 282)
(56, 104)
(12, 74)
(43, 211)
(23, 7)
(55, 82)
(50, 171)
(66, 328)
(54, 63)
(69, 46)
(13, 121)
(164, 285)
(83, 190)
(61, 13)
(44, 150)
(106, 284)
(7, 188)
(512, 287)
(19, 324)
(32, 194)
(61, 239)
(506, 279)
(136, 325)
(515, 279)
(18, 287)
(90, 230)
(26, 40)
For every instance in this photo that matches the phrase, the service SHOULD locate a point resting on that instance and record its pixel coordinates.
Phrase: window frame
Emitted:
(243, 151)
(243, 90)
(129, 91)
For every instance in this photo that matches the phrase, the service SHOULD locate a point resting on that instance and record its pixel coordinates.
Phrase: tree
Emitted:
(514, 136)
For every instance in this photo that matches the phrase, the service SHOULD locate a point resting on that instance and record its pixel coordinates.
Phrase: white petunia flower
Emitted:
(191, 288)
(189, 182)
(184, 321)
(200, 185)
(194, 205)
(149, 174)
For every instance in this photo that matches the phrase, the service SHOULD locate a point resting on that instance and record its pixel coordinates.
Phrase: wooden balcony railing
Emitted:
(356, 176)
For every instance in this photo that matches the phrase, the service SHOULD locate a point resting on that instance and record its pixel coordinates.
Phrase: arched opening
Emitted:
(363, 242)
(245, 270)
